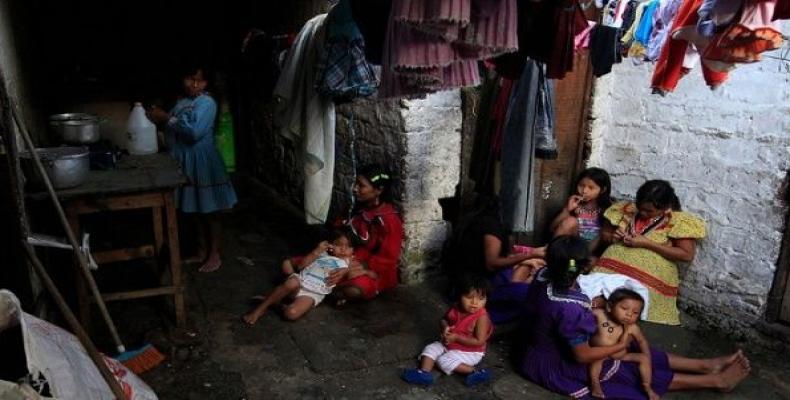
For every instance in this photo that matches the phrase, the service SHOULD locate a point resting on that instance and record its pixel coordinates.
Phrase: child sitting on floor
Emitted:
(465, 331)
(619, 317)
(307, 280)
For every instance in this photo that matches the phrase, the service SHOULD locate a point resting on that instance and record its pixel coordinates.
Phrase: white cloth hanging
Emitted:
(303, 115)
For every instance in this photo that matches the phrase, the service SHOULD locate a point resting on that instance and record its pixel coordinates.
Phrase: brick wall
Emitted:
(726, 152)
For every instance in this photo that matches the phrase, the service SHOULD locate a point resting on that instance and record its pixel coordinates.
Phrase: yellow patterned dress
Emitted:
(657, 273)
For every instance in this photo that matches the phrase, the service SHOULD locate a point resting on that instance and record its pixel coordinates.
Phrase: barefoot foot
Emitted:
(211, 265)
(732, 375)
(718, 364)
(252, 317)
(651, 395)
(597, 391)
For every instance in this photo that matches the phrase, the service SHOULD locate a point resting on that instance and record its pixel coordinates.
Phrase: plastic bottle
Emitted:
(140, 133)
(224, 139)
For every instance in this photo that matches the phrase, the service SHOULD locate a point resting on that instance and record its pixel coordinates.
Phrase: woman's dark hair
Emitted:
(469, 282)
(624, 294)
(380, 178)
(566, 258)
(601, 178)
(659, 193)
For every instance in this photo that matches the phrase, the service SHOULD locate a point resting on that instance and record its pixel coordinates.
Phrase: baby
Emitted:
(307, 281)
(619, 317)
(465, 330)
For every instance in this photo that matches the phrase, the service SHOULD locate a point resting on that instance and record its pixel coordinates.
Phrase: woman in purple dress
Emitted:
(560, 324)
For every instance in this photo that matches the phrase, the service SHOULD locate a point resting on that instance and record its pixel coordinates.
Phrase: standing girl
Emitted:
(465, 331)
(189, 133)
(557, 342)
(582, 215)
(649, 237)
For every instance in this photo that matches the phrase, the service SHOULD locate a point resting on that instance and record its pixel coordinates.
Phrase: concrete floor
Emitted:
(356, 352)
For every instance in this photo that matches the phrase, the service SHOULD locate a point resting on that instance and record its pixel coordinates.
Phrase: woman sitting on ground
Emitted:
(378, 228)
(559, 324)
(481, 246)
(649, 237)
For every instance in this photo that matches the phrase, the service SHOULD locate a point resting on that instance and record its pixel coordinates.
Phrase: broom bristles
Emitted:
(144, 359)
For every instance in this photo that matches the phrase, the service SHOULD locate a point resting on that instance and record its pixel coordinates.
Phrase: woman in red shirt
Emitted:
(378, 228)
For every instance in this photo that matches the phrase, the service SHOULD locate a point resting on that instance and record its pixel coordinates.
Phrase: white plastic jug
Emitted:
(140, 133)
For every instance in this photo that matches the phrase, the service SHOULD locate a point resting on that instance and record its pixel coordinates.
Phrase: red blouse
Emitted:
(381, 230)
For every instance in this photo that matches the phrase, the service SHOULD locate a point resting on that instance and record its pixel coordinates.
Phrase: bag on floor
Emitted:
(56, 357)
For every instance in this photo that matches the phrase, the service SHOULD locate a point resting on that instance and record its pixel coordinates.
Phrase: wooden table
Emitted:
(138, 182)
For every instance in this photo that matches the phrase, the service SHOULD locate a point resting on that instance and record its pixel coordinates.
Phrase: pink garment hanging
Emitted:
(435, 44)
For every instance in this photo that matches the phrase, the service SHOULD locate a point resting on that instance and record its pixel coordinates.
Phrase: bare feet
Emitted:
(597, 391)
(651, 395)
(211, 265)
(733, 374)
(252, 317)
(718, 364)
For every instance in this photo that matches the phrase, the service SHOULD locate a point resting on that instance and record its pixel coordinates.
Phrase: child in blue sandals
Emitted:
(465, 331)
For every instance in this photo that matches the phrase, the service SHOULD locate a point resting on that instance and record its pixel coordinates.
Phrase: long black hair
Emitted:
(659, 193)
(566, 258)
(602, 179)
(380, 178)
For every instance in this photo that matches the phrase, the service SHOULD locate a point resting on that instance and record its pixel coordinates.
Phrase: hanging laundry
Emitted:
(435, 45)
(582, 40)
(545, 139)
(305, 116)
(343, 73)
(715, 14)
(518, 150)
(674, 61)
(556, 23)
(604, 49)
(662, 21)
(744, 41)
(494, 99)
(643, 31)
(628, 37)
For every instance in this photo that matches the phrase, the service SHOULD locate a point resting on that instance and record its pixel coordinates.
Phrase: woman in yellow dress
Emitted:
(648, 238)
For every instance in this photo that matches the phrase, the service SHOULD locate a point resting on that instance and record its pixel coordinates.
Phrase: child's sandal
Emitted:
(477, 377)
(416, 376)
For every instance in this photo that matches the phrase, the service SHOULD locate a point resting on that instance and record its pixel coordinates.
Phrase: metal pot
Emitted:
(76, 128)
(66, 167)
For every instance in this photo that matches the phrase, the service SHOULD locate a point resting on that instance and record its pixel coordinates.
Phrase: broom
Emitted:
(140, 360)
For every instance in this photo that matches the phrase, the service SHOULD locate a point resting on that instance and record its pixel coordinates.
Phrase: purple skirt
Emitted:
(619, 379)
(507, 299)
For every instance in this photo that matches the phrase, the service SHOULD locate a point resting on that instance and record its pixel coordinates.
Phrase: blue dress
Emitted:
(190, 136)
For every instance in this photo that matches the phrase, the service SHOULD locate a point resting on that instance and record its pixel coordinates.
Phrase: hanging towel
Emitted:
(303, 115)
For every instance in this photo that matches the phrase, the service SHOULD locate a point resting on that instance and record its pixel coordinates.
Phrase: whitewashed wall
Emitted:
(726, 152)
(431, 171)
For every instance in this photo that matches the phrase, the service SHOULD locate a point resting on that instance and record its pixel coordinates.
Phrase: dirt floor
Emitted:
(355, 352)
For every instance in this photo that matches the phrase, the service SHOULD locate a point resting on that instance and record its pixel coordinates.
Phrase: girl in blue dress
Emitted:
(189, 134)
